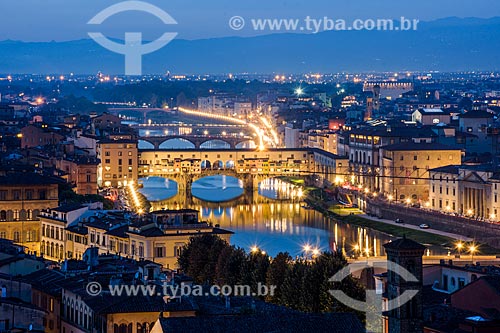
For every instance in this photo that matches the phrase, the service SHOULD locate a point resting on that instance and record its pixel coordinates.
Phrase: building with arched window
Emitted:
(22, 196)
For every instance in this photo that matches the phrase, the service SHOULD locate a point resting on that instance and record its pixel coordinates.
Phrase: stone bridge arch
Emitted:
(196, 140)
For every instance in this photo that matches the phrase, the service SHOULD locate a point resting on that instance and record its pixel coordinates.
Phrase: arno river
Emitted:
(272, 218)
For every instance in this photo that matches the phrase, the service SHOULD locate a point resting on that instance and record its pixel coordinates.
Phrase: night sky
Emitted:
(61, 20)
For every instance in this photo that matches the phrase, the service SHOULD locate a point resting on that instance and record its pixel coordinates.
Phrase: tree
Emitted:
(200, 256)
(278, 270)
(230, 266)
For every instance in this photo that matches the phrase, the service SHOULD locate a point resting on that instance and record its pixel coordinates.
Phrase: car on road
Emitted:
(399, 221)
(424, 226)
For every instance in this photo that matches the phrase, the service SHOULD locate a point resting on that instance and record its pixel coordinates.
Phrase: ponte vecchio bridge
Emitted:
(249, 165)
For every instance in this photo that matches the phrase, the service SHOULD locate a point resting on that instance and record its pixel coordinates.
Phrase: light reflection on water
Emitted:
(279, 226)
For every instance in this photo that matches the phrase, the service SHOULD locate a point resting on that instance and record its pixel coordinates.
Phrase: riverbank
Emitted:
(316, 199)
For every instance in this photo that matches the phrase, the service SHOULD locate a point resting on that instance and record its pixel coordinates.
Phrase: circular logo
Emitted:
(94, 288)
(236, 23)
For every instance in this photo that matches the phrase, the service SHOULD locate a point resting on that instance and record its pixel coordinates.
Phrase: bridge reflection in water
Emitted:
(279, 226)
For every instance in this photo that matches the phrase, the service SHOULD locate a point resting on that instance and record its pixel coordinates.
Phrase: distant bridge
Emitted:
(143, 111)
(155, 126)
(196, 140)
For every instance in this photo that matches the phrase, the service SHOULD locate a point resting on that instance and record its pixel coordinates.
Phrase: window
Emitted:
(107, 161)
(129, 153)
(129, 161)
(415, 157)
(16, 236)
(159, 251)
(177, 250)
(119, 161)
(120, 153)
(401, 158)
(16, 195)
(29, 194)
(106, 153)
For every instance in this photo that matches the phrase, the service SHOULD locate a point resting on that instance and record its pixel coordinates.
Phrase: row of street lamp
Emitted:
(307, 249)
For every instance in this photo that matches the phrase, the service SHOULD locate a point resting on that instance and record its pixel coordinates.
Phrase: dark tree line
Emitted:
(300, 284)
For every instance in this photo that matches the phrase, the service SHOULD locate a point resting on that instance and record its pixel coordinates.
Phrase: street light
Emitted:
(356, 249)
(459, 247)
(306, 249)
(472, 250)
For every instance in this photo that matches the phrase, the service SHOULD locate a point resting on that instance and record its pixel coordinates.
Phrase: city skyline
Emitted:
(234, 166)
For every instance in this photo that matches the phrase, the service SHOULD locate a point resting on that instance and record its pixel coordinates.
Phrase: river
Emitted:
(272, 218)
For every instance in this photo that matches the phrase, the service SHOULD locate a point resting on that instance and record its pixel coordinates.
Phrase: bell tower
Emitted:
(405, 317)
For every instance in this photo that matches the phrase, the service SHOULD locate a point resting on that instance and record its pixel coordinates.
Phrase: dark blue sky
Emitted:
(46, 20)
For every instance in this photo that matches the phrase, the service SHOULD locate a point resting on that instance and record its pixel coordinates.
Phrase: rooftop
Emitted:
(27, 178)
(404, 244)
(476, 114)
(427, 111)
(413, 146)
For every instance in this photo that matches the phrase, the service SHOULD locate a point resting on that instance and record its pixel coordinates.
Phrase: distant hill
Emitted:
(451, 44)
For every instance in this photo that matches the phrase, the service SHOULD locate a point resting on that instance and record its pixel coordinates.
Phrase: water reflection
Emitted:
(157, 188)
(217, 188)
(279, 226)
(277, 189)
